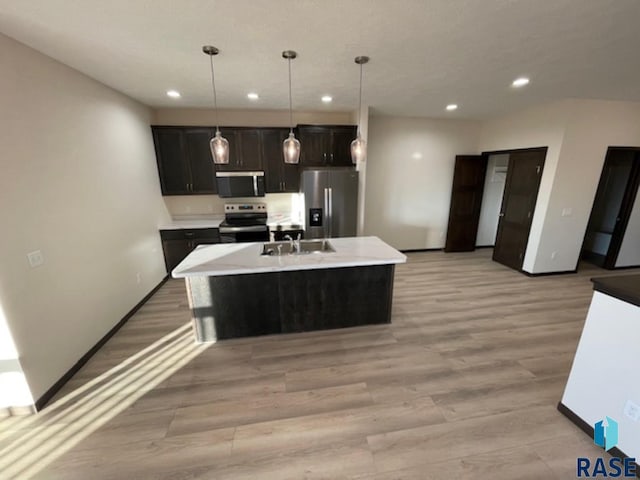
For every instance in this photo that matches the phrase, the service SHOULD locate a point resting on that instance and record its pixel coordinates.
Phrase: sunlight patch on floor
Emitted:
(32, 443)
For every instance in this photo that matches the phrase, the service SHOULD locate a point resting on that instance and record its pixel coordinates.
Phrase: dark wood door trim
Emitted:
(516, 150)
(626, 208)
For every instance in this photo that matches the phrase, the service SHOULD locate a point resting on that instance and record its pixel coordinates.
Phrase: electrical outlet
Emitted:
(553, 255)
(632, 410)
(35, 258)
(567, 212)
(138, 278)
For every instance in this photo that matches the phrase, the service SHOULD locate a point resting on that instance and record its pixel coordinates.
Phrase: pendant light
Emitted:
(291, 146)
(218, 144)
(359, 146)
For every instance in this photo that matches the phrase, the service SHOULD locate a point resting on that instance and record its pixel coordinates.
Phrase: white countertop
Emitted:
(239, 258)
(195, 221)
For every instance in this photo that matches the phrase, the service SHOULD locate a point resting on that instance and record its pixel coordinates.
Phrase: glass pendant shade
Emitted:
(219, 149)
(358, 150)
(359, 146)
(291, 149)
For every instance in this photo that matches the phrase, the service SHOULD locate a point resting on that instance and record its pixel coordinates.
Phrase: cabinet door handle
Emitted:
(332, 157)
(324, 156)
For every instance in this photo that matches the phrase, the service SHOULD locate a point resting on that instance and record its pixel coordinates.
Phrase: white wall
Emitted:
(409, 177)
(491, 200)
(577, 133)
(543, 126)
(629, 254)
(592, 127)
(79, 182)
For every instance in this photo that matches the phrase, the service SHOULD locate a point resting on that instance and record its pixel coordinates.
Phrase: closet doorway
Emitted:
(494, 206)
(611, 239)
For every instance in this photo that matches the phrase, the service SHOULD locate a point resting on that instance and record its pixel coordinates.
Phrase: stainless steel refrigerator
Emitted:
(330, 202)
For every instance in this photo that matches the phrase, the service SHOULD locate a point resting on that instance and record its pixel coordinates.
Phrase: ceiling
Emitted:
(424, 54)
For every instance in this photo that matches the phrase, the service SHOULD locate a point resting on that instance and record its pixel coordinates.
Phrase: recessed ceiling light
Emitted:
(452, 106)
(253, 96)
(173, 94)
(327, 98)
(520, 82)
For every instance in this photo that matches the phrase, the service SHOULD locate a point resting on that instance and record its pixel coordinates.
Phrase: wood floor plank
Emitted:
(462, 384)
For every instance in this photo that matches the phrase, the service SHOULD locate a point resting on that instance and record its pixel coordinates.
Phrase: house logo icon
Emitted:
(605, 433)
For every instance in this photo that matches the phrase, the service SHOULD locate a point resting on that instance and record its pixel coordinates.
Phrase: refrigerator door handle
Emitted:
(329, 225)
(326, 212)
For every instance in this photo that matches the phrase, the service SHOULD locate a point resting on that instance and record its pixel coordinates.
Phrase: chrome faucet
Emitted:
(294, 245)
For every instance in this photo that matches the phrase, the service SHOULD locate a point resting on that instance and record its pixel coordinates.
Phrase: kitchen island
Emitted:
(235, 291)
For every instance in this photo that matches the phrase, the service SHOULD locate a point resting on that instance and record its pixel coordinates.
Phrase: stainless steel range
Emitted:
(244, 222)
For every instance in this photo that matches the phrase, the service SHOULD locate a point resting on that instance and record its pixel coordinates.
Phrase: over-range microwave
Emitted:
(240, 184)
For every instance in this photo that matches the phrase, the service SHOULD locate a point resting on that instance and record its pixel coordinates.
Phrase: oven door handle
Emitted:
(249, 228)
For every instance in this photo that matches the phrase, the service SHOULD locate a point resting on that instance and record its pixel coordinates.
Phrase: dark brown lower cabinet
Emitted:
(177, 244)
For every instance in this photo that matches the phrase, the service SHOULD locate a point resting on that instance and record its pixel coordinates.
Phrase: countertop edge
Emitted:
(611, 286)
(292, 268)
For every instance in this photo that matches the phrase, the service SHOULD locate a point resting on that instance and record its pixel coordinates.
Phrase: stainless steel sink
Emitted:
(305, 247)
(316, 246)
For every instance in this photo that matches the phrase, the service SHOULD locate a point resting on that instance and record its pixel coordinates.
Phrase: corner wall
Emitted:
(578, 133)
(409, 177)
(80, 184)
(543, 126)
(592, 127)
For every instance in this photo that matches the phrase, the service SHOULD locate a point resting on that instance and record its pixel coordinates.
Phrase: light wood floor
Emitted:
(463, 384)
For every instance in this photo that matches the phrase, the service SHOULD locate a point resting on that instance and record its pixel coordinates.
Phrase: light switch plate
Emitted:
(35, 258)
(632, 410)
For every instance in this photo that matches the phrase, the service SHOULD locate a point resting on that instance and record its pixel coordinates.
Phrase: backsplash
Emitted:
(283, 205)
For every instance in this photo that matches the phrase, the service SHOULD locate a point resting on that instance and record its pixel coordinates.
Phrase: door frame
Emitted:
(543, 149)
(628, 200)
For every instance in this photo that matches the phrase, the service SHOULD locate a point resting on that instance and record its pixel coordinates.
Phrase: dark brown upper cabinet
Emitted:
(184, 160)
(244, 149)
(326, 146)
(186, 167)
(280, 176)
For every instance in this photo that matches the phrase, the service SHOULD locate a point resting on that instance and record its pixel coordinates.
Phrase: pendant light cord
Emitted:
(360, 103)
(290, 101)
(213, 86)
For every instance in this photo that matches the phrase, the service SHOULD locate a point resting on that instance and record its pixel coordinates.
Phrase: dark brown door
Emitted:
(231, 135)
(272, 158)
(172, 165)
(612, 206)
(250, 154)
(466, 198)
(341, 138)
(315, 146)
(203, 175)
(518, 203)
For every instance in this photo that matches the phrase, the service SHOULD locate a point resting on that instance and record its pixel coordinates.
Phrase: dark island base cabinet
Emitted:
(287, 302)
(177, 244)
